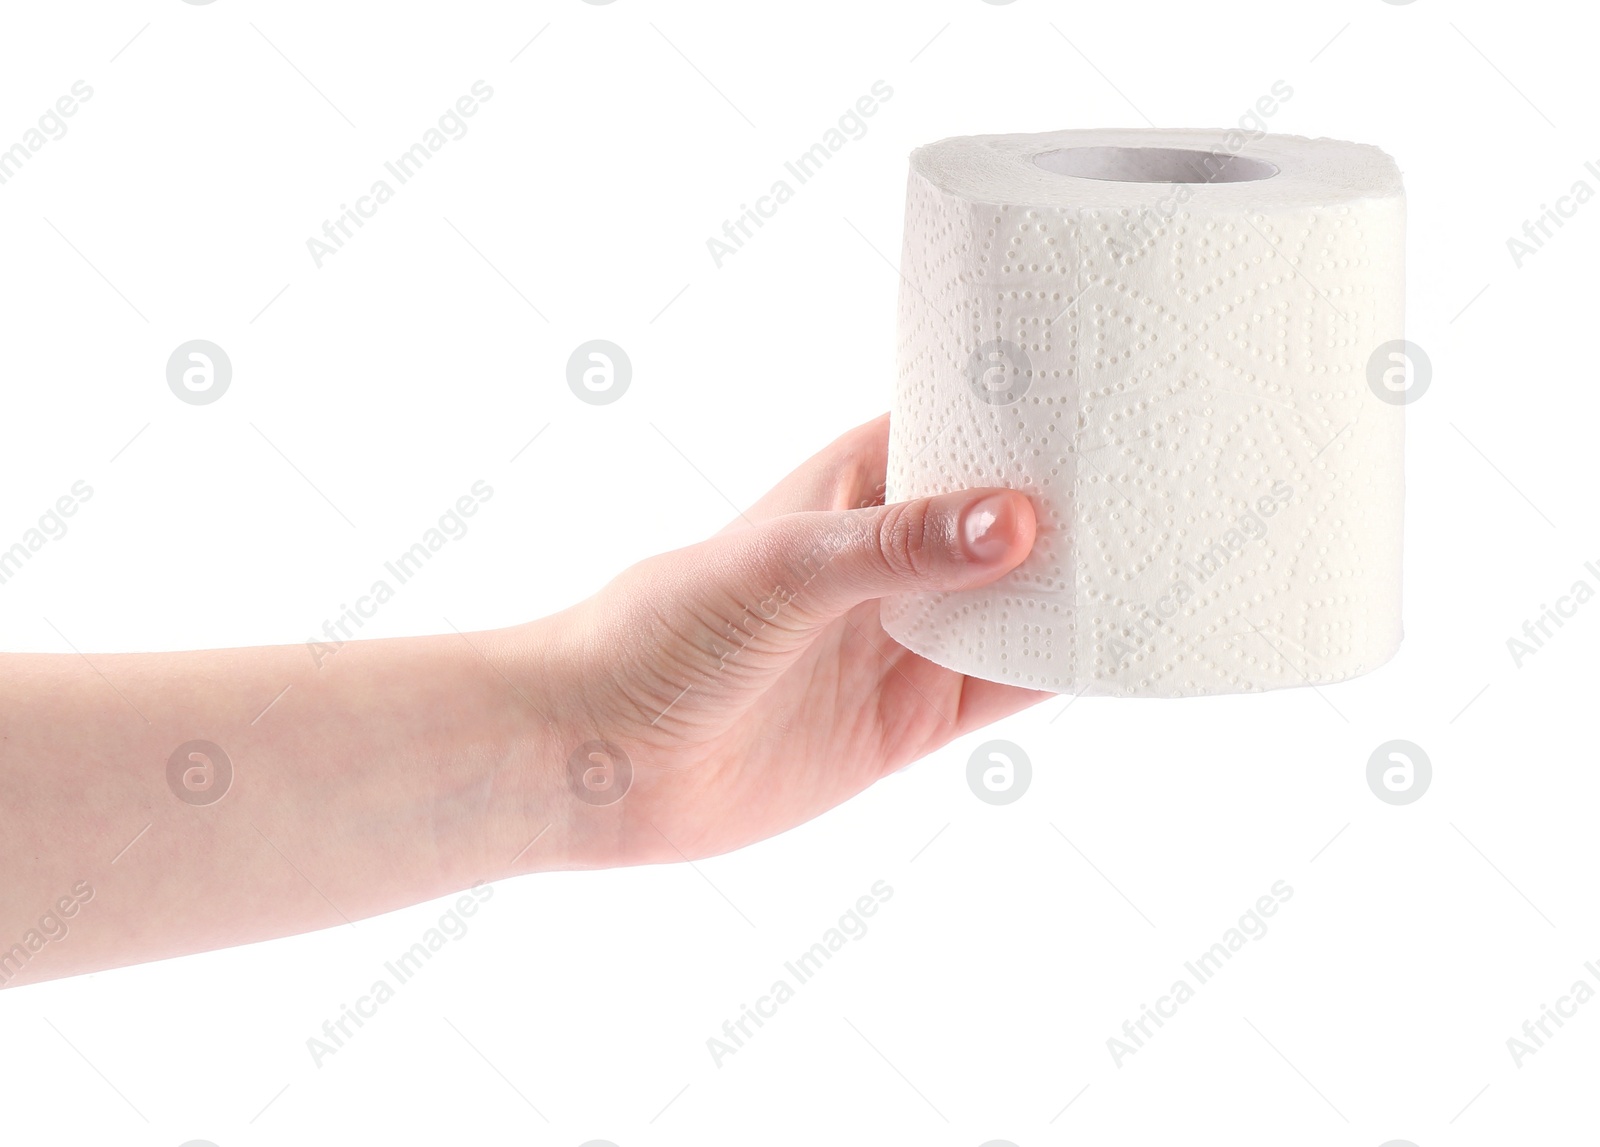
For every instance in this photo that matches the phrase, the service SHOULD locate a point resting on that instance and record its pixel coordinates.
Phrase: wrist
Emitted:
(533, 818)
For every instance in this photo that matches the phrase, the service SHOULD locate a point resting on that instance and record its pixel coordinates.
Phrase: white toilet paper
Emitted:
(1182, 345)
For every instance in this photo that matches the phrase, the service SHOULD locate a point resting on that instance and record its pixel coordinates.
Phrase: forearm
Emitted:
(396, 771)
(702, 700)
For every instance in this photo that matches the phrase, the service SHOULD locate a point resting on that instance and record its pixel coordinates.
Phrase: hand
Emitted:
(747, 680)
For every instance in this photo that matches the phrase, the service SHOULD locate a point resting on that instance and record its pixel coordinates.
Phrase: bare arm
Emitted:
(157, 804)
(397, 771)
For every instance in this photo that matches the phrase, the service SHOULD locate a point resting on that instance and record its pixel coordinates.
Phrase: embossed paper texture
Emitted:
(1181, 377)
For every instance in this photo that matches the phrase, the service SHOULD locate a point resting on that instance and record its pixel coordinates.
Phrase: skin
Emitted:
(745, 680)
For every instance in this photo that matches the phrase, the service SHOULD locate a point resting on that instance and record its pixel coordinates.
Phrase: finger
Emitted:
(948, 542)
(928, 705)
(985, 702)
(846, 474)
(781, 583)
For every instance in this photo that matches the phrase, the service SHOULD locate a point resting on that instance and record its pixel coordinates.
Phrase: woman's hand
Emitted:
(720, 694)
(708, 698)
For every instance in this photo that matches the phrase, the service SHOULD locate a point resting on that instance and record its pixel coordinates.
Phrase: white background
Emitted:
(370, 394)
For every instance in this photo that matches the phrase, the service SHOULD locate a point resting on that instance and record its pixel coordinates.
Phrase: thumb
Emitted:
(719, 621)
(814, 567)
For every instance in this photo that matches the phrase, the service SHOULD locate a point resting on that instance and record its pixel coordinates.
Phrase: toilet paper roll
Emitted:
(1186, 348)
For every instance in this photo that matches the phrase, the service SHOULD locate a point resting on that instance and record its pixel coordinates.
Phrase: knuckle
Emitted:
(902, 539)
